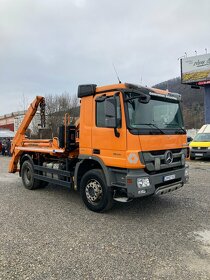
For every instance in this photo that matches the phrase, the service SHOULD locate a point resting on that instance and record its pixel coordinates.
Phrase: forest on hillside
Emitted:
(192, 101)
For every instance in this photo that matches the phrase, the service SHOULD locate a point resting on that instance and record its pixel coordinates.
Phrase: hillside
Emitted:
(192, 101)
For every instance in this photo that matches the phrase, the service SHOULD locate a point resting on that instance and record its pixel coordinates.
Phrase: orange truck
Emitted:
(130, 142)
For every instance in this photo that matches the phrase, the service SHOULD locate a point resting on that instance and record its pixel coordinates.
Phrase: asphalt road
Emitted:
(49, 234)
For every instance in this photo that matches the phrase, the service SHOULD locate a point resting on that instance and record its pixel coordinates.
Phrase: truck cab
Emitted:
(137, 135)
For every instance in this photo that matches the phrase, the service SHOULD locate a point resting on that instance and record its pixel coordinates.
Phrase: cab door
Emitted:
(107, 143)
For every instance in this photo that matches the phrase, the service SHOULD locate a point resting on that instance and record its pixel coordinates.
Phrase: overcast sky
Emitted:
(51, 46)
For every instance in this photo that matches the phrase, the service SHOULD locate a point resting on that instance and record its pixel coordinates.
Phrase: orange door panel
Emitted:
(105, 144)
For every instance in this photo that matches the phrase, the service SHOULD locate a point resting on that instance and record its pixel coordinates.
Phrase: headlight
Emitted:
(143, 182)
(208, 148)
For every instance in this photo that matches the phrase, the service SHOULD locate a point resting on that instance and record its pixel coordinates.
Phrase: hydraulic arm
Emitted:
(20, 134)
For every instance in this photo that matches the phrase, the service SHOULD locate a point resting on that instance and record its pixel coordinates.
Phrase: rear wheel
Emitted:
(27, 175)
(94, 192)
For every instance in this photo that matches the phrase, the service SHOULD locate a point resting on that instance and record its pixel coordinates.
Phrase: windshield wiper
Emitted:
(152, 124)
(178, 126)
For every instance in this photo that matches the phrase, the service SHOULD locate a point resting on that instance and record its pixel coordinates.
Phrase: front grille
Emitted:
(199, 148)
(162, 152)
(155, 160)
(174, 160)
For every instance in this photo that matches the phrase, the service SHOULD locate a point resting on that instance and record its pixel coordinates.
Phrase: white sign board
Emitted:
(195, 68)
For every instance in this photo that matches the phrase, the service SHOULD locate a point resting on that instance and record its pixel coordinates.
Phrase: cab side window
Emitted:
(100, 113)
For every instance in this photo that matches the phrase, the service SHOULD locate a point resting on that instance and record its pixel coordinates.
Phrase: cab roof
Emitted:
(92, 89)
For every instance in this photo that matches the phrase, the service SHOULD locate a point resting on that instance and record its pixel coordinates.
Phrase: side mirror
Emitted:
(189, 139)
(110, 112)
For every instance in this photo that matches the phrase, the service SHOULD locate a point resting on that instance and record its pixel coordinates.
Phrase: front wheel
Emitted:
(94, 192)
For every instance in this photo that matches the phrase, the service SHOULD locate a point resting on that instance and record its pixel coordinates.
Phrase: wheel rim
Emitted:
(93, 191)
(27, 175)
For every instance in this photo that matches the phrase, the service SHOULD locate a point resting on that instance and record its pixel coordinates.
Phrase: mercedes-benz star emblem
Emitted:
(168, 157)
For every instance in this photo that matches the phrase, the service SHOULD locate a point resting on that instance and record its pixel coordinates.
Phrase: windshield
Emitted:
(159, 113)
(202, 137)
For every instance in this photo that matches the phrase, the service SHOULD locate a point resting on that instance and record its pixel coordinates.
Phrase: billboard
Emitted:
(195, 69)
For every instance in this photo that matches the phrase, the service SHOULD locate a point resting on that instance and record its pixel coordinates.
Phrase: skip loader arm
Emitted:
(20, 134)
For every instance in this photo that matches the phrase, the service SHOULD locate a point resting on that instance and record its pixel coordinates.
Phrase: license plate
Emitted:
(198, 154)
(169, 177)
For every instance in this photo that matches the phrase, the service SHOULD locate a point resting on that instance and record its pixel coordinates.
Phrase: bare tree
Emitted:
(56, 108)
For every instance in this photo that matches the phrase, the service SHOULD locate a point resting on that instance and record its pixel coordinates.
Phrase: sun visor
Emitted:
(86, 90)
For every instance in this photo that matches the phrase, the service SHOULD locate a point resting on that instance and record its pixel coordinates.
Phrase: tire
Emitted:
(94, 192)
(27, 175)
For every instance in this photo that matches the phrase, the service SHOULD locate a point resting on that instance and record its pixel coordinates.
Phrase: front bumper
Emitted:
(158, 183)
(203, 153)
